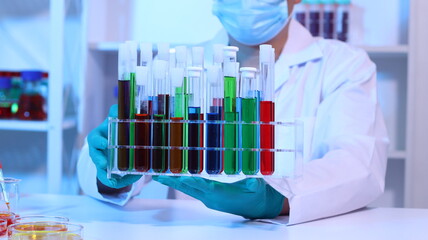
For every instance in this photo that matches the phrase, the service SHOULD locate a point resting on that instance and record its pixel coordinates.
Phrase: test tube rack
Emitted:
(287, 152)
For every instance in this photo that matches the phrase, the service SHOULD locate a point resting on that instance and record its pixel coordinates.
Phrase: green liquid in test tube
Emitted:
(249, 97)
(231, 160)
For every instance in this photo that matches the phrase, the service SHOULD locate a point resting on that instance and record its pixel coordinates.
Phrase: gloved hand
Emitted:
(98, 143)
(250, 198)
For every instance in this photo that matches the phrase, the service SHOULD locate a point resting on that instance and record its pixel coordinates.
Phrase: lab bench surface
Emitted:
(189, 219)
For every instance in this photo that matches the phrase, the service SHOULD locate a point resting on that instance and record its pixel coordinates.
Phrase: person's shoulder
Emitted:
(341, 51)
(343, 63)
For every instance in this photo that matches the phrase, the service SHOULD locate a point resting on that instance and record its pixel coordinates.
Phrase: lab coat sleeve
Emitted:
(349, 145)
(87, 177)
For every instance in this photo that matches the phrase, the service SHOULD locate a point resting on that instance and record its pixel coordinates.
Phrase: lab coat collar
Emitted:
(300, 48)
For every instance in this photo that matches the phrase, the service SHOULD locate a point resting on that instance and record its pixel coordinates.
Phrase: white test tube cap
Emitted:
(177, 76)
(141, 75)
(172, 61)
(197, 56)
(122, 60)
(146, 52)
(194, 71)
(213, 73)
(248, 72)
(181, 54)
(159, 69)
(230, 51)
(218, 53)
(133, 55)
(163, 51)
(265, 53)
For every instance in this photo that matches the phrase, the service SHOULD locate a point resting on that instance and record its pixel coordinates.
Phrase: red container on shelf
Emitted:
(31, 105)
(5, 97)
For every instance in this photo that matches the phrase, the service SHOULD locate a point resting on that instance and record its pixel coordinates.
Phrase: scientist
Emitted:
(328, 83)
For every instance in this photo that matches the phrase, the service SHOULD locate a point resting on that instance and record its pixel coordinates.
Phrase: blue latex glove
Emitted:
(250, 198)
(98, 143)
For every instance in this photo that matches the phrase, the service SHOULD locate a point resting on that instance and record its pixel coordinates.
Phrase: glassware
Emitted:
(5, 97)
(3, 229)
(45, 231)
(31, 104)
(12, 191)
(40, 218)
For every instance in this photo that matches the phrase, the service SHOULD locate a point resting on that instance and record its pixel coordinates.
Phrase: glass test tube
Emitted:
(176, 115)
(198, 61)
(132, 64)
(144, 112)
(181, 96)
(160, 114)
(301, 13)
(328, 19)
(249, 96)
(123, 108)
(231, 160)
(214, 128)
(218, 58)
(314, 17)
(267, 110)
(342, 19)
(195, 113)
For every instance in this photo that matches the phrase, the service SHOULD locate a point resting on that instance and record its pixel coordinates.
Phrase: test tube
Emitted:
(181, 96)
(176, 163)
(163, 51)
(214, 128)
(194, 89)
(314, 17)
(123, 108)
(342, 19)
(267, 109)
(218, 58)
(132, 64)
(328, 18)
(198, 61)
(301, 13)
(146, 54)
(160, 114)
(231, 160)
(144, 112)
(249, 96)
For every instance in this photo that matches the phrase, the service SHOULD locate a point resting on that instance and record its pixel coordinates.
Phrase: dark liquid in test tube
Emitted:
(176, 140)
(123, 128)
(160, 135)
(342, 34)
(267, 137)
(328, 25)
(301, 18)
(142, 138)
(194, 134)
(214, 140)
(314, 23)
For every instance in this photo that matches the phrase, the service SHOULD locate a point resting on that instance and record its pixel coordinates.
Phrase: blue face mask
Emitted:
(252, 22)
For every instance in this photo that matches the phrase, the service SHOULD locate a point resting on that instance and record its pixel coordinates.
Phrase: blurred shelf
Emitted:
(387, 51)
(397, 155)
(35, 126)
(372, 50)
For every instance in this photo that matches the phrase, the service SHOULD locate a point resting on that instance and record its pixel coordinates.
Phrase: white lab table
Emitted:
(189, 219)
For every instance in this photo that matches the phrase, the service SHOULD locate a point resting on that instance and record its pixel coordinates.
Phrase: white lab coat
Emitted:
(333, 86)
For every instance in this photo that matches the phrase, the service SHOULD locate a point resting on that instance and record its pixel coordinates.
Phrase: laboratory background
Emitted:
(74, 43)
